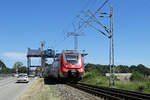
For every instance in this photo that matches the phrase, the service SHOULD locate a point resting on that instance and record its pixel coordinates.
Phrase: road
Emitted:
(10, 90)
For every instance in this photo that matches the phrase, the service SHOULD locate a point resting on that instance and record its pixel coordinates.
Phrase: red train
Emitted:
(67, 65)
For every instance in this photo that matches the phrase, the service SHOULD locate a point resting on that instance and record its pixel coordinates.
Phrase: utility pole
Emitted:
(42, 57)
(108, 32)
(76, 35)
(112, 67)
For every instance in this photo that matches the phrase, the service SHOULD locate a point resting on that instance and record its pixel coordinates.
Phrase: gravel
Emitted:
(69, 93)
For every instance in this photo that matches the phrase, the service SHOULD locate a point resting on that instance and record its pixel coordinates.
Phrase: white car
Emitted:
(22, 78)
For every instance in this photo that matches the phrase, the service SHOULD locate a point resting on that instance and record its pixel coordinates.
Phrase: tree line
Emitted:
(17, 67)
(119, 69)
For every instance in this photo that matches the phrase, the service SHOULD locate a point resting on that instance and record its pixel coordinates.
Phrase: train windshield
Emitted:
(73, 59)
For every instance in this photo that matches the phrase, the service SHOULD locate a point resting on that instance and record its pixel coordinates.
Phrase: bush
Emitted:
(141, 88)
(136, 76)
(94, 78)
(148, 85)
(92, 74)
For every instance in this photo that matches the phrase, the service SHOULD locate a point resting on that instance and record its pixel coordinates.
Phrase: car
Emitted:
(31, 75)
(14, 75)
(22, 78)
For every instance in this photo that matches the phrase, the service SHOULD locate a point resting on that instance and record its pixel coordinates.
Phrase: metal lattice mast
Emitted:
(111, 62)
(42, 57)
(76, 35)
(112, 39)
(108, 32)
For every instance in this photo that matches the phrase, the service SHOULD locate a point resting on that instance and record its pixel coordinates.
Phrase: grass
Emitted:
(39, 91)
(134, 86)
(95, 78)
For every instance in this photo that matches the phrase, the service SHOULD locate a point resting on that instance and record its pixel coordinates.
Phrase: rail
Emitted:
(110, 93)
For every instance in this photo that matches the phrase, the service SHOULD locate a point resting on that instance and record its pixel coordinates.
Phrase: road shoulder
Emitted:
(39, 91)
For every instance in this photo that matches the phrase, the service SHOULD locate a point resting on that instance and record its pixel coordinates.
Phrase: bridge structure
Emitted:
(40, 53)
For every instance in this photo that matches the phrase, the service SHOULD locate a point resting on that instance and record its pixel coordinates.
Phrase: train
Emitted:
(67, 65)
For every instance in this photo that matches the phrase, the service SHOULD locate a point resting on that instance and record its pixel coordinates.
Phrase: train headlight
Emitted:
(66, 65)
(79, 63)
(81, 69)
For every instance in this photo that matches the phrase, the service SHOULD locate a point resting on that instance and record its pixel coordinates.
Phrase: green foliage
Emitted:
(141, 69)
(141, 88)
(139, 82)
(100, 68)
(126, 85)
(22, 69)
(118, 69)
(122, 69)
(2, 65)
(136, 76)
(18, 65)
(148, 85)
(95, 78)
(7, 71)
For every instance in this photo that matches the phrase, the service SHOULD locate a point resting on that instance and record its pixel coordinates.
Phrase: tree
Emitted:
(142, 69)
(133, 68)
(23, 69)
(18, 65)
(2, 65)
(122, 69)
(136, 76)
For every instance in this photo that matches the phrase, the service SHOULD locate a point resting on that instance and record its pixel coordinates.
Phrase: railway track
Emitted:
(110, 93)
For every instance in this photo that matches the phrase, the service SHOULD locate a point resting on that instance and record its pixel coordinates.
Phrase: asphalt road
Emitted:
(10, 90)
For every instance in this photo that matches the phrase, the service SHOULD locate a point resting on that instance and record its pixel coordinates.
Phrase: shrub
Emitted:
(136, 76)
(140, 88)
(148, 84)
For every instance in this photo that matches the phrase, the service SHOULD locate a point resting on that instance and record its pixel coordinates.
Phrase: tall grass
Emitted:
(95, 78)
(139, 82)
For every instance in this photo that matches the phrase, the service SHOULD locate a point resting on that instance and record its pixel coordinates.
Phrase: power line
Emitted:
(76, 35)
(89, 20)
(79, 25)
(108, 33)
(102, 5)
(86, 6)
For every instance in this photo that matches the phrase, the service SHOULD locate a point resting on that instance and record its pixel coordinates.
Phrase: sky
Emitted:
(25, 23)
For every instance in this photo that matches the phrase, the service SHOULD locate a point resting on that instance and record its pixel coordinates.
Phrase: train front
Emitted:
(72, 65)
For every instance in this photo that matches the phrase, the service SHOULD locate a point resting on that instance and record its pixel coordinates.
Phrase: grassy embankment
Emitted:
(138, 83)
(39, 91)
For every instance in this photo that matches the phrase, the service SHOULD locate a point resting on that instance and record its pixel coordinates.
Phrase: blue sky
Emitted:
(25, 23)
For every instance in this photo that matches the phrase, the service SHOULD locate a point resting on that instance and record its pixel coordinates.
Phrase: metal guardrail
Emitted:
(111, 93)
(5, 75)
(2, 76)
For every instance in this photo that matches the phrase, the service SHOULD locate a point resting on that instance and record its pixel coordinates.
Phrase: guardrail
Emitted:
(2, 76)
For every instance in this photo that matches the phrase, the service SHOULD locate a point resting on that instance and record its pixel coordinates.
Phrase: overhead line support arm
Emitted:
(94, 27)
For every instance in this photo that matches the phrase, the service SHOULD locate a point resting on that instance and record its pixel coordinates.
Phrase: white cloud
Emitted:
(14, 55)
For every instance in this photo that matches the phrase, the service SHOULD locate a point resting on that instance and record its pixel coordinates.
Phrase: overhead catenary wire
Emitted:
(102, 5)
(109, 35)
(87, 5)
(89, 21)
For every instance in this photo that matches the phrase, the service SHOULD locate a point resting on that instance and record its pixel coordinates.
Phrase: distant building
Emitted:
(122, 76)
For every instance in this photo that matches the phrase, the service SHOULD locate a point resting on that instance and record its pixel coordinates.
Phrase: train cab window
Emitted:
(73, 59)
